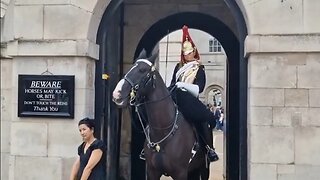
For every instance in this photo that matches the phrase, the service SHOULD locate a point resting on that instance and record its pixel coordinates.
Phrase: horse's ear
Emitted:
(143, 54)
(153, 58)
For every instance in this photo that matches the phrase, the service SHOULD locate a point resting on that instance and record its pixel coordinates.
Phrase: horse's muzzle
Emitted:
(118, 100)
(116, 97)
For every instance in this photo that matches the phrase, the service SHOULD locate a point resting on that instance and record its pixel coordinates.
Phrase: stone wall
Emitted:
(283, 96)
(36, 147)
(283, 53)
(6, 115)
(44, 37)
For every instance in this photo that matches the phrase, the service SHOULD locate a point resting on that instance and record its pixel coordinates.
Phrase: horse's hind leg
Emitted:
(181, 176)
(153, 176)
(205, 174)
(194, 175)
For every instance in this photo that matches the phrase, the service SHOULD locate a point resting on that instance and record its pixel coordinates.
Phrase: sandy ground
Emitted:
(216, 168)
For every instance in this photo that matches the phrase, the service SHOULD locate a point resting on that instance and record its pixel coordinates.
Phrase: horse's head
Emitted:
(138, 81)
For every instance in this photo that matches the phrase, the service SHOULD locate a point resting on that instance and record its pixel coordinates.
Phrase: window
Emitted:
(214, 45)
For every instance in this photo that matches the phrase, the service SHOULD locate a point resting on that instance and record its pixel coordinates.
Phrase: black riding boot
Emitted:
(206, 135)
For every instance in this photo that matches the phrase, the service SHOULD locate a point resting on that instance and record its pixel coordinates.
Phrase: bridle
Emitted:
(149, 78)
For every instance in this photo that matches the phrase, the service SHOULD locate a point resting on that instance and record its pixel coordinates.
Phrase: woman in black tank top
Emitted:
(91, 163)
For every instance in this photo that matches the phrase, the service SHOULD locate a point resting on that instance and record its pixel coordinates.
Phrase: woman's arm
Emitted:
(75, 169)
(93, 161)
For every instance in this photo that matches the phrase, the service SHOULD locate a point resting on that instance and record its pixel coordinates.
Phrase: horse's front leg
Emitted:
(152, 173)
(182, 174)
(182, 177)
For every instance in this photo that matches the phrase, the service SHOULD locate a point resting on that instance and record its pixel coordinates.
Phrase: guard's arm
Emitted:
(173, 79)
(201, 78)
(192, 88)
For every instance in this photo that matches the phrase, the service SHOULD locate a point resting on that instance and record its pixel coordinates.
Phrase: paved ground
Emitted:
(216, 168)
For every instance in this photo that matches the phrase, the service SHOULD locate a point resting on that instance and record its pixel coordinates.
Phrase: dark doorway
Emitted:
(108, 71)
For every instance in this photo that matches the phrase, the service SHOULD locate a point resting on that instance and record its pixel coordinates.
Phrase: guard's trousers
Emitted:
(196, 113)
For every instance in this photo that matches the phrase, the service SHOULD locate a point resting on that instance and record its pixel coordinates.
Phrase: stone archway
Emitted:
(236, 78)
(213, 90)
(230, 34)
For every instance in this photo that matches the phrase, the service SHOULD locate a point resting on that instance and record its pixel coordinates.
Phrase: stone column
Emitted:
(283, 94)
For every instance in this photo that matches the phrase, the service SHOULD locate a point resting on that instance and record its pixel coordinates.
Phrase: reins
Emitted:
(155, 101)
(134, 102)
(149, 102)
(146, 130)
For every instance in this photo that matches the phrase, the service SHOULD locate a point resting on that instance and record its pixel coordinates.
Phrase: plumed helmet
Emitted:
(187, 44)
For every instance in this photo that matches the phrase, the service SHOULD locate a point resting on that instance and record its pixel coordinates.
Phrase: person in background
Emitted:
(221, 119)
(217, 115)
(189, 80)
(90, 163)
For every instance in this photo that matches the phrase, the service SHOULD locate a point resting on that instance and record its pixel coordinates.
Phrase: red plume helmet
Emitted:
(188, 45)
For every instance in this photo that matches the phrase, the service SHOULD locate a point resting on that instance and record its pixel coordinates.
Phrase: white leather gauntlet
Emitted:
(192, 88)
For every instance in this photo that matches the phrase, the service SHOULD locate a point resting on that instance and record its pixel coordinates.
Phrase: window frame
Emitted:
(214, 46)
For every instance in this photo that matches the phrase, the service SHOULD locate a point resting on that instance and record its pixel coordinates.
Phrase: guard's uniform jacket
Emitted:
(190, 106)
(195, 76)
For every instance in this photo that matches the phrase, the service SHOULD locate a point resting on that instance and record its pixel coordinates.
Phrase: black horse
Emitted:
(170, 147)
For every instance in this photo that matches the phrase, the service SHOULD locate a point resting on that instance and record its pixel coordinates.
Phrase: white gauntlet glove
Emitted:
(192, 88)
